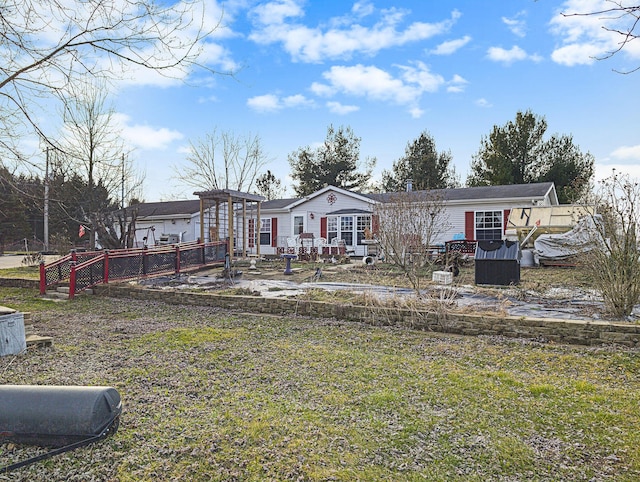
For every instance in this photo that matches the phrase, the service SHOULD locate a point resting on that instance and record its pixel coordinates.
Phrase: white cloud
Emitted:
(297, 100)
(338, 38)
(416, 112)
(576, 54)
(516, 25)
(451, 46)
(627, 153)
(277, 12)
(144, 136)
(265, 103)
(483, 103)
(457, 84)
(603, 171)
(341, 109)
(585, 38)
(420, 75)
(515, 53)
(376, 84)
(274, 103)
(363, 8)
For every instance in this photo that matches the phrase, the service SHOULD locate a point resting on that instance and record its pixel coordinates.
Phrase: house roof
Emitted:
(527, 192)
(225, 194)
(168, 208)
(348, 211)
(514, 191)
(278, 203)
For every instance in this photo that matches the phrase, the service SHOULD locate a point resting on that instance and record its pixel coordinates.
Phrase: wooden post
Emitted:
(105, 276)
(245, 245)
(72, 280)
(202, 240)
(230, 220)
(43, 278)
(257, 231)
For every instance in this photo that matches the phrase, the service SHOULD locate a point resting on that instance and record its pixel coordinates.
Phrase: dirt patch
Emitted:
(562, 293)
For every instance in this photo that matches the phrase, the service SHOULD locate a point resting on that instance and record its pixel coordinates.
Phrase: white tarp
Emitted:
(583, 238)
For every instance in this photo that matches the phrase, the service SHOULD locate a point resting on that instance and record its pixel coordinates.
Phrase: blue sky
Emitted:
(389, 70)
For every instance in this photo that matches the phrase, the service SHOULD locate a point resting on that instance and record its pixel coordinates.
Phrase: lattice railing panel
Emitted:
(89, 275)
(126, 267)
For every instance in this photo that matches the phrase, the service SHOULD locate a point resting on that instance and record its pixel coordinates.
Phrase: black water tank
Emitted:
(56, 416)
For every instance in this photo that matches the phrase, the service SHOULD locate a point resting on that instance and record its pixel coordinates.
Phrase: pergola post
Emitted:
(257, 231)
(202, 240)
(231, 197)
(245, 245)
(230, 218)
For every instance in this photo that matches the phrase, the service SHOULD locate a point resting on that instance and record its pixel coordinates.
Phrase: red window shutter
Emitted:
(375, 223)
(323, 228)
(505, 220)
(469, 225)
(252, 233)
(274, 232)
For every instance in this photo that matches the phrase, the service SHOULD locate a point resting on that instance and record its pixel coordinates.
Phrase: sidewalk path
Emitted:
(15, 260)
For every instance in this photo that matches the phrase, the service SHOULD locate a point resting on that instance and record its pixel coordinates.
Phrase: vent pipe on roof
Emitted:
(409, 185)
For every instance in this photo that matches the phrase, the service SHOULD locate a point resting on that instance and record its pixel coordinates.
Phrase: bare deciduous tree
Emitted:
(615, 264)
(409, 224)
(93, 149)
(618, 17)
(223, 160)
(48, 46)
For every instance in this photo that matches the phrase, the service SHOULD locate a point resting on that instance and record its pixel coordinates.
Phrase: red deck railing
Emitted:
(84, 270)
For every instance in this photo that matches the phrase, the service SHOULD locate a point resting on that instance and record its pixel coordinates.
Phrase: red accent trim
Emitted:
(323, 228)
(505, 219)
(469, 225)
(274, 232)
(252, 233)
(375, 223)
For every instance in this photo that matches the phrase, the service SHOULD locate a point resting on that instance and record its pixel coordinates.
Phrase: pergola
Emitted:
(227, 203)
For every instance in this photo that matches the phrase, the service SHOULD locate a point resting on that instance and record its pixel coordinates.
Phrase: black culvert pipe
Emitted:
(56, 416)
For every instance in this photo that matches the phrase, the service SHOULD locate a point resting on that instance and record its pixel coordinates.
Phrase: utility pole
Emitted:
(122, 185)
(46, 202)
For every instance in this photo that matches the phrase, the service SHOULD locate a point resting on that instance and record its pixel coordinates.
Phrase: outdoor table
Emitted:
(288, 257)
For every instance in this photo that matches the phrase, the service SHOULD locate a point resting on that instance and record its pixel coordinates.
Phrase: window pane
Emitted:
(265, 231)
(346, 229)
(362, 223)
(332, 228)
(488, 225)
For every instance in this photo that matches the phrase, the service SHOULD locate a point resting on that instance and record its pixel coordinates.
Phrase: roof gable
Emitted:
(344, 192)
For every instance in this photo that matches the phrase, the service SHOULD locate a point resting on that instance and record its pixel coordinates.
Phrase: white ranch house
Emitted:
(333, 219)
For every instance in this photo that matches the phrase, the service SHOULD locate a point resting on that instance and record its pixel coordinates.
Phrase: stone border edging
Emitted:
(549, 329)
(20, 283)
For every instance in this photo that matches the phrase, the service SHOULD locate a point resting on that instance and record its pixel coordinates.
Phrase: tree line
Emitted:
(515, 153)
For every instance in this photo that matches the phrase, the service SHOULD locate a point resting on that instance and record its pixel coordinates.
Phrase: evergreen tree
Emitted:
(269, 186)
(517, 153)
(336, 162)
(423, 165)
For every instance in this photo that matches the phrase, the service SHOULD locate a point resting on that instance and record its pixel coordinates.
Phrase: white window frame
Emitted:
(486, 221)
(265, 227)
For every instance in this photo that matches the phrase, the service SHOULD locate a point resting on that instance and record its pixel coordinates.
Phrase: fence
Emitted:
(86, 269)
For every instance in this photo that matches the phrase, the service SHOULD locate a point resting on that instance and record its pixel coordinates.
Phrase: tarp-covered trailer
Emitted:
(525, 224)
